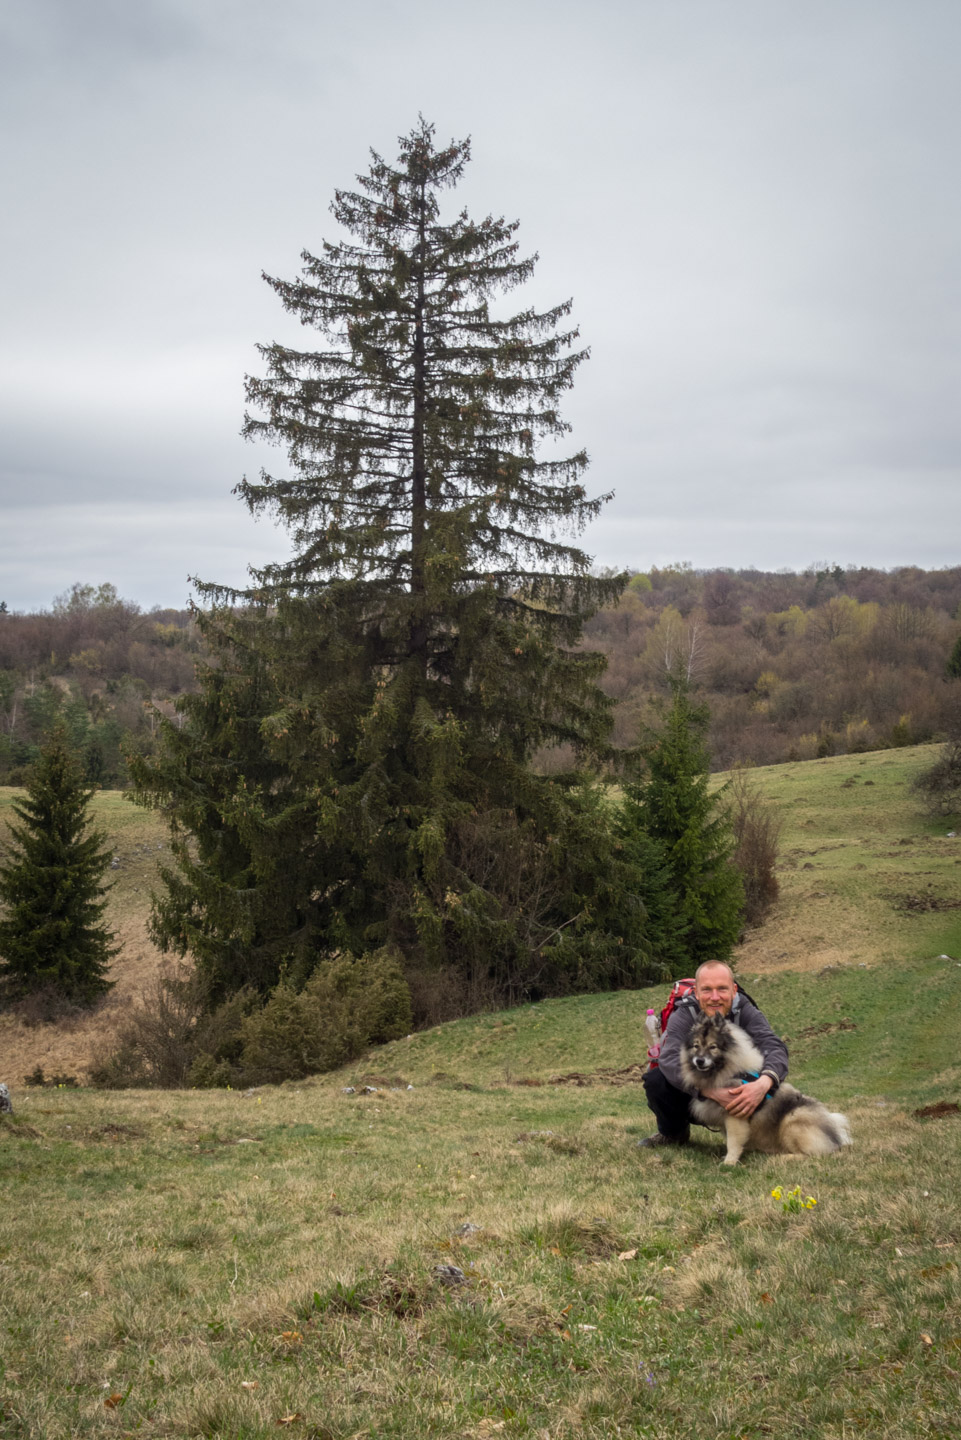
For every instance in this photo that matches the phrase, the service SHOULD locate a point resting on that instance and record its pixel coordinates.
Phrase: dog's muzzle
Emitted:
(702, 1062)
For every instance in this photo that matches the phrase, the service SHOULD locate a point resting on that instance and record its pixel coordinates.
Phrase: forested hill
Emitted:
(792, 665)
(100, 663)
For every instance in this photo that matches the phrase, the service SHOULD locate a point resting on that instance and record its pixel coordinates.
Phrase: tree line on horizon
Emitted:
(793, 665)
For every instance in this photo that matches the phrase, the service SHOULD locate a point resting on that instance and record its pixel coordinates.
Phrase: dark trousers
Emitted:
(671, 1106)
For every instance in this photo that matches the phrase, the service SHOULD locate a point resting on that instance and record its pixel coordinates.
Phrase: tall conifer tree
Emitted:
(52, 935)
(420, 639)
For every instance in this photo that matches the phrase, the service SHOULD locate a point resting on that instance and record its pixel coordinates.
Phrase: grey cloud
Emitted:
(752, 204)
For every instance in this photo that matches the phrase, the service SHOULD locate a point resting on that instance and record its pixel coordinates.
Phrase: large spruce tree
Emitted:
(357, 768)
(52, 934)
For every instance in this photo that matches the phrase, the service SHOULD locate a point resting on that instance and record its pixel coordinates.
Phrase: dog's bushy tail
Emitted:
(840, 1123)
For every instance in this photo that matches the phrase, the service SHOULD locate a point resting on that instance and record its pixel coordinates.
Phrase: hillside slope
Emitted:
(867, 880)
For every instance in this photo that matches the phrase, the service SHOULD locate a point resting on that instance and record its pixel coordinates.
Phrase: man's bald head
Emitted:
(714, 987)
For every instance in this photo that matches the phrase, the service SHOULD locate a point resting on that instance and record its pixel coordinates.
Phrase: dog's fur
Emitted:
(716, 1053)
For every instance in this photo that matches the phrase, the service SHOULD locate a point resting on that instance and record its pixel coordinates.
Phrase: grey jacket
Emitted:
(743, 1013)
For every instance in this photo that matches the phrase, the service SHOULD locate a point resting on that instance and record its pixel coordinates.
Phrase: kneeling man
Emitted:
(715, 993)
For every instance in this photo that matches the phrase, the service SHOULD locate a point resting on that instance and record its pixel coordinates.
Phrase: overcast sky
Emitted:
(754, 203)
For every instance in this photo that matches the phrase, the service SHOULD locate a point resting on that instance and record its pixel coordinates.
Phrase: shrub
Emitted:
(173, 1040)
(206, 1073)
(901, 733)
(347, 1004)
(48, 1006)
(858, 737)
(940, 784)
(157, 1044)
(757, 831)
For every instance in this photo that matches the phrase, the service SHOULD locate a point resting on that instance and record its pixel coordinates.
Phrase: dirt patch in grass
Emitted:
(402, 1296)
(17, 1129)
(629, 1075)
(829, 1027)
(560, 1144)
(116, 1133)
(921, 904)
(942, 1110)
(591, 1236)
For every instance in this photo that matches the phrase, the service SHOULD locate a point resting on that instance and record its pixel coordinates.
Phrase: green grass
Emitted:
(169, 1249)
(892, 1032)
(148, 1253)
(242, 1266)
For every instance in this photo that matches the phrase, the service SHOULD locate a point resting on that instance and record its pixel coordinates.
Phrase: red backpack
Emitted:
(679, 991)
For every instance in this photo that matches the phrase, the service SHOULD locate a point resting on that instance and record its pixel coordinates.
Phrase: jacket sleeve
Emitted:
(772, 1047)
(669, 1060)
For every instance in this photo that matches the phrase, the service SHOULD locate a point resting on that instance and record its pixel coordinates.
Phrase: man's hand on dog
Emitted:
(744, 1099)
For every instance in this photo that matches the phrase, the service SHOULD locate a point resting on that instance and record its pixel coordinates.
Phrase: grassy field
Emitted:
(862, 868)
(488, 1253)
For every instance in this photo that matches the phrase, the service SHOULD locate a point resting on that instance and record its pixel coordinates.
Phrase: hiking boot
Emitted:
(659, 1138)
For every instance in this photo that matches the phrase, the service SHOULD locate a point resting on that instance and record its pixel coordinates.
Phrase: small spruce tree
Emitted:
(52, 936)
(673, 821)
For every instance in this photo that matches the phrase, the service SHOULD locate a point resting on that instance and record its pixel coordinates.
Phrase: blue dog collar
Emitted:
(745, 1078)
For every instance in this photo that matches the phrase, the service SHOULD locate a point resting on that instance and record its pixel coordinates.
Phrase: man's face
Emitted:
(715, 990)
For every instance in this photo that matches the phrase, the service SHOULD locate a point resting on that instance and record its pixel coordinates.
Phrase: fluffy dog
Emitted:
(717, 1053)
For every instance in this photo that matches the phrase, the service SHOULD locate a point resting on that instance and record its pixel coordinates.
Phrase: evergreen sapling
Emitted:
(52, 935)
(682, 839)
